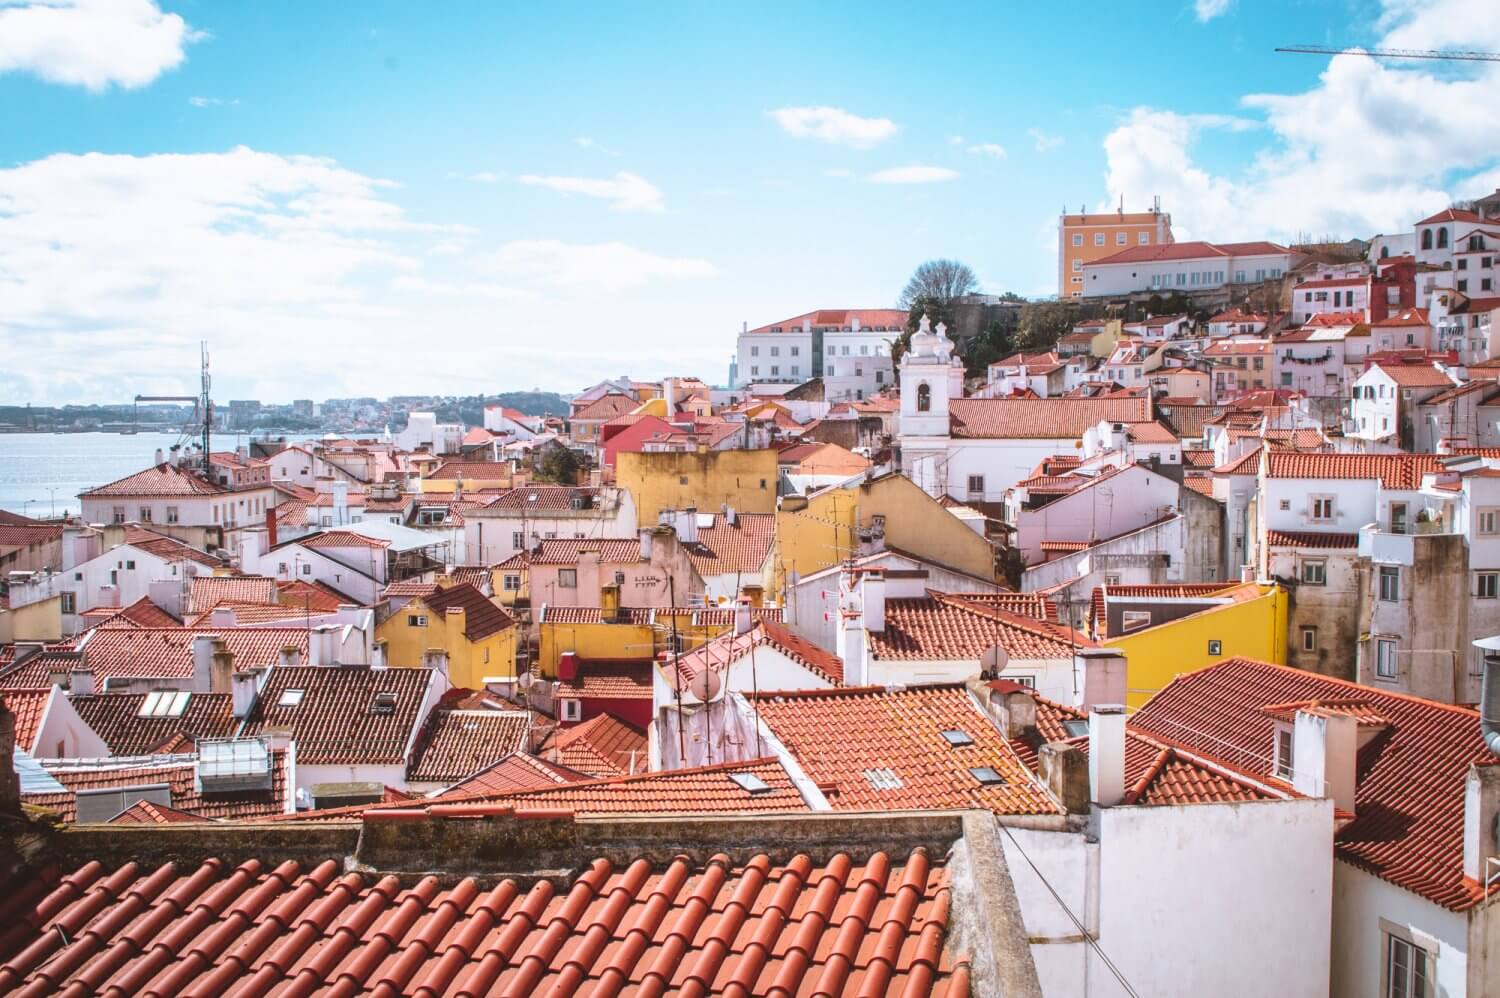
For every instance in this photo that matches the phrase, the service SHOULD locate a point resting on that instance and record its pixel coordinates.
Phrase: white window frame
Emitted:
(1309, 637)
(1385, 651)
(1315, 503)
(1134, 620)
(1419, 976)
(1486, 585)
(1393, 574)
(569, 709)
(1321, 564)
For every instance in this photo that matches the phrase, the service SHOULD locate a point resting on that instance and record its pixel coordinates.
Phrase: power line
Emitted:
(1393, 53)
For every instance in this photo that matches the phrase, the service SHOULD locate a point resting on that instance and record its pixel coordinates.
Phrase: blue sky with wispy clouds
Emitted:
(396, 197)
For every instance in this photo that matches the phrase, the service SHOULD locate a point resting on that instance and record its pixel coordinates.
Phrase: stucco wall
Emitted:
(744, 479)
(1360, 901)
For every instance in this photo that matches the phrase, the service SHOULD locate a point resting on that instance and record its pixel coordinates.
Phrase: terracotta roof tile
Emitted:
(606, 407)
(160, 652)
(727, 649)
(116, 718)
(141, 613)
(179, 773)
(1051, 418)
(341, 716)
(28, 706)
(143, 812)
(167, 548)
(311, 595)
(1395, 471)
(342, 539)
(741, 548)
(162, 480)
(947, 627)
(1311, 539)
(207, 590)
(253, 613)
(612, 551)
(602, 747)
(482, 616)
(890, 753)
(1408, 824)
(456, 744)
(517, 771)
(25, 535)
(609, 681)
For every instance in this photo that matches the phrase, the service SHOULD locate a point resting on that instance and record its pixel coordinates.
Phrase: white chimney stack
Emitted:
(744, 618)
(1107, 754)
(1324, 751)
(1481, 821)
(243, 688)
(341, 503)
(81, 683)
(872, 600)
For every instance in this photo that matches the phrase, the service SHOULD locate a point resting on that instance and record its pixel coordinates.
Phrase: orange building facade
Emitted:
(1085, 238)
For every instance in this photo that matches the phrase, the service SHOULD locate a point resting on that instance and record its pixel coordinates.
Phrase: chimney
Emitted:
(457, 619)
(645, 544)
(341, 503)
(1489, 695)
(609, 603)
(687, 525)
(435, 659)
(567, 666)
(221, 675)
(222, 616)
(167, 594)
(1102, 674)
(1481, 822)
(744, 619)
(1324, 750)
(323, 645)
(730, 517)
(290, 655)
(1065, 771)
(243, 689)
(872, 599)
(1107, 754)
(81, 683)
(270, 527)
(849, 638)
(755, 594)
(160, 457)
(204, 646)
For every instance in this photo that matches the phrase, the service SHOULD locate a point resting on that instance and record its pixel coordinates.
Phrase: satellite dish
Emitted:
(706, 685)
(525, 679)
(994, 660)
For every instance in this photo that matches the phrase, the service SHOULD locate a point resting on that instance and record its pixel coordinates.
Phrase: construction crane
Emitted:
(1393, 53)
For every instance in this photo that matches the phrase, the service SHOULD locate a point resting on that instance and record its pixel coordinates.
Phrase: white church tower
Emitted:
(931, 377)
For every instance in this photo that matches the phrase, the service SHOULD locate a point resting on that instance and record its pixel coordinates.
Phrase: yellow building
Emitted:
(1089, 237)
(1167, 630)
(477, 637)
(705, 480)
(820, 530)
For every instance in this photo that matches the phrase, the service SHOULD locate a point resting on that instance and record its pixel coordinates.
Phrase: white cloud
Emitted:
(916, 174)
(604, 266)
(92, 43)
(485, 177)
(213, 101)
(834, 125)
(1207, 10)
(625, 191)
(955, 140)
(584, 142)
(1371, 148)
(1043, 141)
(838, 171)
(989, 149)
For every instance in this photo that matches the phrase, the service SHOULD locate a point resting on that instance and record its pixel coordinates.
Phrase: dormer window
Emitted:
(1283, 762)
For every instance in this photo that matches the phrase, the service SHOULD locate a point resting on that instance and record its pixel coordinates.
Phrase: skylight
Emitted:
(987, 776)
(164, 703)
(384, 703)
(290, 698)
(883, 779)
(750, 783)
(1076, 727)
(957, 738)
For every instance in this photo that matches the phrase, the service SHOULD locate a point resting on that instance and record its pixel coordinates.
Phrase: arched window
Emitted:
(1426, 239)
(1443, 238)
(924, 397)
(1385, 251)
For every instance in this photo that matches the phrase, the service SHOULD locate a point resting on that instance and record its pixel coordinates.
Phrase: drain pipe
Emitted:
(1489, 697)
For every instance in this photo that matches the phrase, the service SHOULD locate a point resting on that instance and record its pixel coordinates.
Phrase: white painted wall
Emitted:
(1360, 901)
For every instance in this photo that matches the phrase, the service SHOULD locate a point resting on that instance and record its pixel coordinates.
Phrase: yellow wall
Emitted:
(39, 621)
(744, 479)
(618, 641)
(818, 535)
(469, 662)
(1103, 343)
(1253, 629)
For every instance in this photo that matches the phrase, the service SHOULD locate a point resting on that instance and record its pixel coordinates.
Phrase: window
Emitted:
(795, 370)
(1315, 572)
(511, 583)
(290, 698)
(796, 350)
(924, 397)
(1133, 620)
(307, 569)
(755, 351)
(1488, 521)
(844, 351)
(1408, 969)
(118, 514)
(1078, 239)
(1385, 658)
(1442, 242)
(69, 602)
(171, 514)
(1120, 239)
(754, 370)
(1215, 647)
(775, 370)
(1427, 239)
(1322, 508)
(1463, 263)
(1111, 580)
(1487, 585)
(776, 351)
(1144, 239)
(976, 485)
(1098, 239)
(1284, 753)
(1390, 584)
(416, 620)
(682, 479)
(1309, 638)
(1077, 266)
(567, 578)
(517, 540)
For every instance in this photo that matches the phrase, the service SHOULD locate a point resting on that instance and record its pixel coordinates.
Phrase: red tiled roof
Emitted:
(547, 498)
(251, 613)
(456, 744)
(180, 775)
(741, 548)
(143, 812)
(1201, 484)
(28, 706)
(942, 627)
(342, 539)
(1048, 418)
(723, 651)
(310, 595)
(612, 551)
(889, 752)
(1311, 539)
(337, 720)
(1405, 317)
(605, 408)
(1395, 471)
(141, 613)
(115, 717)
(166, 548)
(1026, 604)
(517, 771)
(840, 317)
(603, 746)
(609, 681)
(208, 590)
(160, 652)
(25, 535)
(1415, 375)
(1409, 813)
(489, 471)
(1247, 463)
(482, 616)
(408, 587)
(1451, 215)
(163, 480)
(872, 922)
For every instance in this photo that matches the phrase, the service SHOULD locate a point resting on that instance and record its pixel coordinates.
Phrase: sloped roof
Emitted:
(1311, 539)
(890, 753)
(840, 317)
(517, 771)
(739, 548)
(939, 627)
(207, 590)
(179, 773)
(598, 680)
(603, 746)
(28, 706)
(1415, 375)
(27, 534)
(336, 721)
(115, 717)
(566, 551)
(1409, 802)
(141, 613)
(1047, 418)
(160, 481)
(1395, 471)
(723, 651)
(166, 548)
(143, 812)
(456, 744)
(606, 407)
(161, 652)
(482, 616)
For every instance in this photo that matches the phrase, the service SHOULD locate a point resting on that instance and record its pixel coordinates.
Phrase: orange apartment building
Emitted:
(1088, 237)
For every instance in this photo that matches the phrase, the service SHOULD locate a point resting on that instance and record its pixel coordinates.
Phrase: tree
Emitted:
(938, 281)
(1043, 323)
(995, 341)
(559, 464)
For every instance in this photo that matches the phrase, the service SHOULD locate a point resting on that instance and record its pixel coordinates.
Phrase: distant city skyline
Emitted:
(365, 201)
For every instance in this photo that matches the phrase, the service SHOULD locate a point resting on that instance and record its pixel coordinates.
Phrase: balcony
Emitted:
(1385, 548)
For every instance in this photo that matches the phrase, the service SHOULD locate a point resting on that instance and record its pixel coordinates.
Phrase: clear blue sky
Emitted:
(398, 197)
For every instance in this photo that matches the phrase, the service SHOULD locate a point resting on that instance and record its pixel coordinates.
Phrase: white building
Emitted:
(850, 349)
(424, 431)
(1334, 294)
(1384, 400)
(1186, 267)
